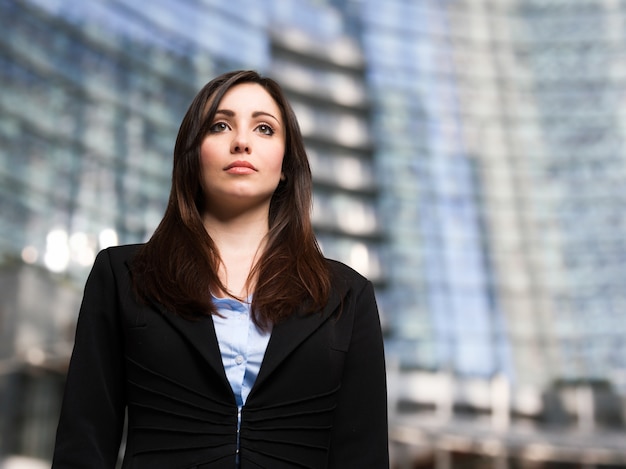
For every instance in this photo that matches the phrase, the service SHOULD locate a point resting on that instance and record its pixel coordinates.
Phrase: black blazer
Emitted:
(319, 400)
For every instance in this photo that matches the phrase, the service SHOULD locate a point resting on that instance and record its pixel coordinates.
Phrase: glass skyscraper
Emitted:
(499, 142)
(93, 93)
(440, 285)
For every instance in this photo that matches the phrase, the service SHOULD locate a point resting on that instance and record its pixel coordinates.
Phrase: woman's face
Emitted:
(242, 155)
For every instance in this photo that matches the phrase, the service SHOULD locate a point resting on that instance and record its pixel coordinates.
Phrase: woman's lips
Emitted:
(240, 167)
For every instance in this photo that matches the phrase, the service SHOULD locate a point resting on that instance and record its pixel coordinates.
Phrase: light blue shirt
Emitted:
(242, 345)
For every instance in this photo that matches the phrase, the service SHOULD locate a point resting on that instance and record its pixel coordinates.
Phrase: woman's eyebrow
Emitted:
(230, 113)
(226, 112)
(263, 113)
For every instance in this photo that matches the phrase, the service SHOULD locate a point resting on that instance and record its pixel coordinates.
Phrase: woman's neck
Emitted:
(240, 242)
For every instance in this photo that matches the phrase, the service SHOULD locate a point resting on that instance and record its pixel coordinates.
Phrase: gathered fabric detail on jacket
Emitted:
(294, 432)
(170, 417)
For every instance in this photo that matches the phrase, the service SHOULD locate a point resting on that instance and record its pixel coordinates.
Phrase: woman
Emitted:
(228, 340)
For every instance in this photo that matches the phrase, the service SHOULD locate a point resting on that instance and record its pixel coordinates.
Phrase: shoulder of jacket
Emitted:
(339, 270)
(122, 253)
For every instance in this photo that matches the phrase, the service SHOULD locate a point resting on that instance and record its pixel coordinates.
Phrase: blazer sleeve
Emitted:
(360, 429)
(92, 413)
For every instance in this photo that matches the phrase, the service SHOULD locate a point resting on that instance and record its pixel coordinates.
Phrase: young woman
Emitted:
(227, 340)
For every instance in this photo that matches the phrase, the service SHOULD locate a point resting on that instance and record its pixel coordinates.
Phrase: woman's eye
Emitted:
(218, 127)
(265, 129)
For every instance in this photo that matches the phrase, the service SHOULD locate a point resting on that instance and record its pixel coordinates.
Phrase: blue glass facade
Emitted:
(440, 294)
(574, 60)
(499, 147)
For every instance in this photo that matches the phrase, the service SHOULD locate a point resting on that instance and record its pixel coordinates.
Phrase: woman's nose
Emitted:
(240, 144)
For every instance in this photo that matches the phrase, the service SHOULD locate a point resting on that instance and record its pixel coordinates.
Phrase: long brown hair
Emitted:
(178, 266)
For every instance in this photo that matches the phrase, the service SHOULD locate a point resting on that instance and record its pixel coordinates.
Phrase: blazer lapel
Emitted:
(200, 334)
(288, 335)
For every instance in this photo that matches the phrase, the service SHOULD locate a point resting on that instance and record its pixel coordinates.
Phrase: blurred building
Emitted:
(93, 94)
(501, 136)
(498, 131)
(467, 156)
(444, 313)
(324, 79)
(538, 90)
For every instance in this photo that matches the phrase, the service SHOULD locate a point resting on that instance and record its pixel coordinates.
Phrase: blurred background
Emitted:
(468, 157)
